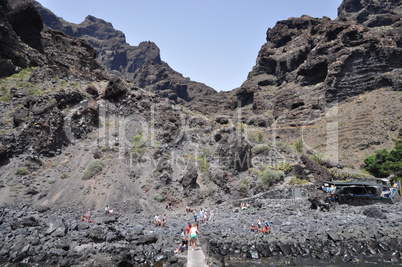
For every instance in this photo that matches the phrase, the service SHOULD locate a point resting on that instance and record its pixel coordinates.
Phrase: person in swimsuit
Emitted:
(193, 236)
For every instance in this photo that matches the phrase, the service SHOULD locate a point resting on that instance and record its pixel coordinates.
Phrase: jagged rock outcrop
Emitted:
(20, 27)
(319, 200)
(189, 180)
(311, 65)
(26, 22)
(24, 44)
(140, 64)
(148, 150)
(372, 13)
(85, 120)
(347, 58)
(38, 122)
(235, 152)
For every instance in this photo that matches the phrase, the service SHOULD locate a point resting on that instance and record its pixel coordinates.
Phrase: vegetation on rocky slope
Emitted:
(384, 163)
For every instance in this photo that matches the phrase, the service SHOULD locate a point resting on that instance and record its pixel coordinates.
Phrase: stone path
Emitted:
(196, 258)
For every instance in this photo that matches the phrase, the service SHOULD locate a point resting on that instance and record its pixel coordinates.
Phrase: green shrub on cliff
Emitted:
(139, 147)
(203, 163)
(6, 98)
(94, 167)
(159, 198)
(318, 158)
(21, 171)
(297, 181)
(267, 177)
(283, 166)
(243, 187)
(23, 74)
(384, 163)
(299, 146)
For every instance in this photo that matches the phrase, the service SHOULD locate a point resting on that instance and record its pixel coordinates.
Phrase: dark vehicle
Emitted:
(360, 193)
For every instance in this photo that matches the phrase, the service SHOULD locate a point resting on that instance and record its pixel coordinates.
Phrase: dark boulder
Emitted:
(3, 153)
(20, 116)
(374, 212)
(235, 153)
(115, 89)
(146, 239)
(315, 170)
(319, 200)
(26, 22)
(92, 91)
(85, 119)
(189, 179)
(21, 27)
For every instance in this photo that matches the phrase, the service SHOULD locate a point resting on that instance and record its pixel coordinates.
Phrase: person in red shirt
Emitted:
(188, 228)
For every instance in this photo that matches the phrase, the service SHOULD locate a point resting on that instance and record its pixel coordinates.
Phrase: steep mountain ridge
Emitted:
(74, 136)
(140, 64)
(287, 97)
(67, 114)
(311, 67)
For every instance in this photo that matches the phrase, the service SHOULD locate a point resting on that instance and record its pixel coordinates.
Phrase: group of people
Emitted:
(244, 206)
(266, 229)
(160, 222)
(188, 234)
(87, 216)
(204, 215)
(108, 210)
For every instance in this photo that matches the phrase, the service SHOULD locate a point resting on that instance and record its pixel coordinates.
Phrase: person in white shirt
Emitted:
(193, 236)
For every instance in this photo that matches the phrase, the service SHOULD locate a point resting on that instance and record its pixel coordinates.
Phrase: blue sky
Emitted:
(215, 42)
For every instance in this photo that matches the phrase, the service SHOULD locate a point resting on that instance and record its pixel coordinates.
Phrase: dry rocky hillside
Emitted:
(321, 87)
(69, 128)
(140, 64)
(335, 84)
(84, 125)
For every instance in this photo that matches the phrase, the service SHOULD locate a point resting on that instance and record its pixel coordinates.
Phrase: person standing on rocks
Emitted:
(205, 217)
(195, 215)
(259, 222)
(201, 215)
(157, 220)
(188, 227)
(169, 206)
(211, 214)
(164, 220)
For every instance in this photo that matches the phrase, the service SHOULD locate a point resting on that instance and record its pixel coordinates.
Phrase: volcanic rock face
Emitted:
(140, 64)
(347, 58)
(38, 121)
(73, 137)
(311, 65)
(370, 12)
(20, 26)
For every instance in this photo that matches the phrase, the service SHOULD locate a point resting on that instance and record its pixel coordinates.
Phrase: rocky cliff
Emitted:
(334, 83)
(49, 57)
(14, 53)
(65, 115)
(140, 64)
(74, 136)
(319, 86)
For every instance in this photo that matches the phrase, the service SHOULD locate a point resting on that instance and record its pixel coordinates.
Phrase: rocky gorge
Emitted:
(85, 126)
